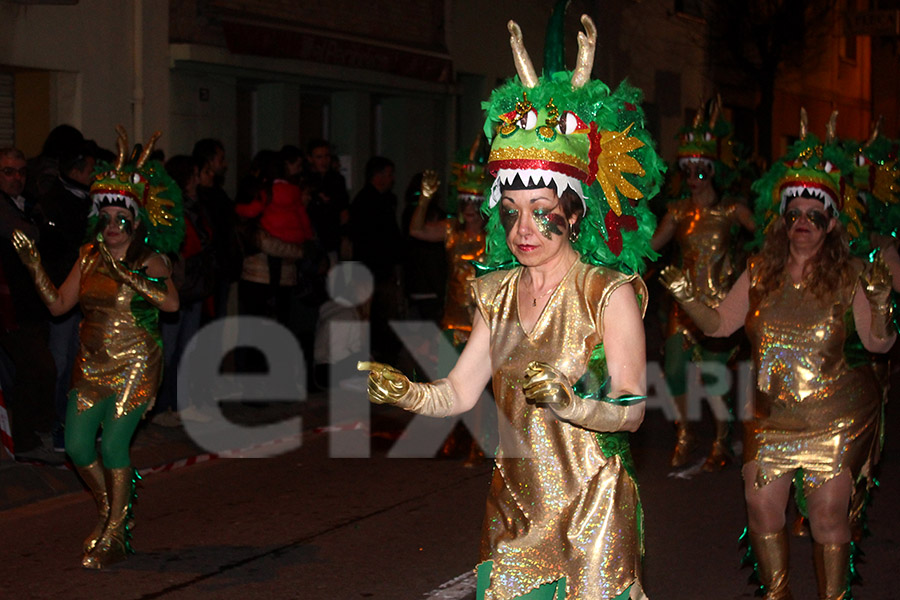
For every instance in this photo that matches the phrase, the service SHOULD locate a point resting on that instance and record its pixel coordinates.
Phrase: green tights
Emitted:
(82, 428)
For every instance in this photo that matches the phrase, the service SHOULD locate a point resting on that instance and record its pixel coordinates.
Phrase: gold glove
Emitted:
(877, 284)
(31, 258)
(545, 385)
(430, 183)
(387, 385)
(675, 280)
(154, 290)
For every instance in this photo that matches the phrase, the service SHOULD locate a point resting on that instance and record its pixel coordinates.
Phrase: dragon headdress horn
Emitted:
(587, 44)
(121, 146)
(714, 111)
(804, 123)
(520, 56)
(876, 131)
(831, 128)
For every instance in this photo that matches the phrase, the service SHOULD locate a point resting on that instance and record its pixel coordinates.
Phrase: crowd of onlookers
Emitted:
(265, 252)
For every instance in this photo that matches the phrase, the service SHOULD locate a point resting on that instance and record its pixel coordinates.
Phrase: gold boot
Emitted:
(96, 482)
(113, 545)
(832, 562)
(684, 444)
(772, 554)
(720, 455)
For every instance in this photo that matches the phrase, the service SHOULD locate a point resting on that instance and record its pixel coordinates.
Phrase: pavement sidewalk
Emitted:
(155, 447)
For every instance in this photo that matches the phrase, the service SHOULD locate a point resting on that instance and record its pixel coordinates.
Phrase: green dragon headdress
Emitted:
(143, 187)
(875, 176)
(709, 141)
(564, 128)
(818, 170)
(470, 181)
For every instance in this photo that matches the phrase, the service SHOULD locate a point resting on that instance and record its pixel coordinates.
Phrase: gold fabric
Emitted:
(462, 248)
(557, 506)
(703, 235)
(813, 410)
(120, 353)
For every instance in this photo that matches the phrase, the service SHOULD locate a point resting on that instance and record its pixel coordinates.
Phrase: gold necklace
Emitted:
(534, 299)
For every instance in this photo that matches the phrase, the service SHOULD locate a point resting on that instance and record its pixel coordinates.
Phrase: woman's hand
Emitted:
(114, 266)
(430, 183)
(26, 248)
(675, 280)
(545, 385)
(386, 384)
(877, 282)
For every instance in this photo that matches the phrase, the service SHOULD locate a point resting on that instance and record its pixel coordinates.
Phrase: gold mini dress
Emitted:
(120, 353)
(462, 248)
(557, 506)
(813, 410)
(703, 235)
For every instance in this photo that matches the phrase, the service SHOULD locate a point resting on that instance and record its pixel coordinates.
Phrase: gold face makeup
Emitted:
(818, 218)
(548, 223)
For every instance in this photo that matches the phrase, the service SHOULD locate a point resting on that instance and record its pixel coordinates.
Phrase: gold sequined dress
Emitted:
(557, 507)
(703, 235)
(120, 354)
(813, 410)
(461, 248)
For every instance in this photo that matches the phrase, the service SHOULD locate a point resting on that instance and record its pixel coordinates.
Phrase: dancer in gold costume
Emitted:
(702, 224)
(559, 331)
(463, 240)
(121, 282)
(816, 415)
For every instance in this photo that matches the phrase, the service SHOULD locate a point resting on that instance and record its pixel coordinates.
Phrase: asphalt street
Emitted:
(301, 524)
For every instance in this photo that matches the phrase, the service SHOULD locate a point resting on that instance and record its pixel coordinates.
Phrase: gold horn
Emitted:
(714, 111)
(587, 44)
(876, 131)
(831, 128)
(698, 118)
(121, 145)
(148, 149)
(526, 71)
(804, 123)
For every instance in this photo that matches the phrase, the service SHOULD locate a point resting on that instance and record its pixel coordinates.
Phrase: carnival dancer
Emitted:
(121, 281)
(463, 239)
(703, 224)
(559, 331)
(816, 416)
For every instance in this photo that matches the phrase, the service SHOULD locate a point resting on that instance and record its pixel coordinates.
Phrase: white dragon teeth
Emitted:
(535, 177)
(795, 191)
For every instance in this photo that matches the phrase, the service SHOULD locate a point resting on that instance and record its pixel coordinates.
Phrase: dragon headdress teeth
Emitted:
(143, 187)
(819, 170)
(564, 130)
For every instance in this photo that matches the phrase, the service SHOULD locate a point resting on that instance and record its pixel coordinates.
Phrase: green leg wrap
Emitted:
(117, 434)
(81, 432)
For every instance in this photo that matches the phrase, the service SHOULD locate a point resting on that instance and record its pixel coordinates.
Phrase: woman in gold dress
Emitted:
(121, 281)
(463, 240)
(816, 416)
(703, 226)
(559, 334)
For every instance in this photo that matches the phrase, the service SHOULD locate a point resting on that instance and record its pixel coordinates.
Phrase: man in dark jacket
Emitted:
(65, 208)
(30, 402)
